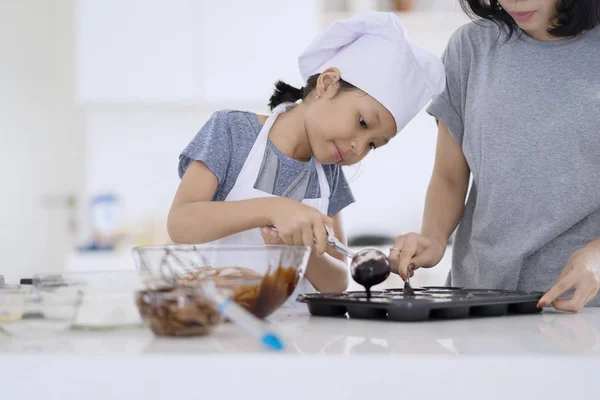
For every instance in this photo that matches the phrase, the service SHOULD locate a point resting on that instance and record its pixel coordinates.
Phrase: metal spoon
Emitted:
(369, 267)
(408, 290)
(335, 243)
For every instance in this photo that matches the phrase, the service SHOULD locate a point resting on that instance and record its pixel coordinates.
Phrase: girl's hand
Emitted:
(270, 236)
(299, 224)
(415, 251)
(582, 273)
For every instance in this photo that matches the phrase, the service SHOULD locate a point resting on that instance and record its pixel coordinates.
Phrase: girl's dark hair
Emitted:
(285, 93)
(574, 16)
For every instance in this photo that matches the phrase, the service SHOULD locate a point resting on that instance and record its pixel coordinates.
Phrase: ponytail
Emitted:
(285, 93)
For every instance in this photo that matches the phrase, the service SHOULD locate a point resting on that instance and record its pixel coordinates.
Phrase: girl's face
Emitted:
(533, 16)
(343, 126)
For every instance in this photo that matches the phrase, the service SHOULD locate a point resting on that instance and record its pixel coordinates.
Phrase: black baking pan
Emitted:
(427, 303)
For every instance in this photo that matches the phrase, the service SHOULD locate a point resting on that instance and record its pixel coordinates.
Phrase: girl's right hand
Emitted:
(299, 224)
(415, 251)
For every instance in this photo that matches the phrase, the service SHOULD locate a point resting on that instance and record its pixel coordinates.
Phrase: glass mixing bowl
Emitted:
(261, 277)
(29, 312)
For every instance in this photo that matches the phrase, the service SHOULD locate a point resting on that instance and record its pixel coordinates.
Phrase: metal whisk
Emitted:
(175, 268)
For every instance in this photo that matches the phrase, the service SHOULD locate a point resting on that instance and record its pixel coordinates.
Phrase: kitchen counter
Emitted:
(552, 355)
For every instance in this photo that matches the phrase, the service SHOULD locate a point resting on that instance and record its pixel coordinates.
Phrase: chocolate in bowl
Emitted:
(262, 277)
(177, 311)
(260, 295)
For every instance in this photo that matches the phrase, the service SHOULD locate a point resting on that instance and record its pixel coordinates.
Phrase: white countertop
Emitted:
(551, 354)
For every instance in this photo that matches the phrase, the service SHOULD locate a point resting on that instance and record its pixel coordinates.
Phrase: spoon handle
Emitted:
(408, 290)
(332, 241)
(335, 243)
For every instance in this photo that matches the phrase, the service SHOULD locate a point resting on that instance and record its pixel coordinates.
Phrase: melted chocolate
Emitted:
(369, 268)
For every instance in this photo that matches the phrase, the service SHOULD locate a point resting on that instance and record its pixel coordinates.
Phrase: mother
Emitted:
(521, 116)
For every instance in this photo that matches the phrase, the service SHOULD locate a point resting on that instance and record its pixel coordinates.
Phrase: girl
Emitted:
(364, 82)
(520, 114)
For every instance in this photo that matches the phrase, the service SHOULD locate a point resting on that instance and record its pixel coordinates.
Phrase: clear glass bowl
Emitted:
(262, 278)
(108, 297)
(29, 312)
(176, 311)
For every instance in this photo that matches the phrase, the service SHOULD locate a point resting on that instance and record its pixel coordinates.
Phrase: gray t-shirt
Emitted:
(223, 144)
(527, 114)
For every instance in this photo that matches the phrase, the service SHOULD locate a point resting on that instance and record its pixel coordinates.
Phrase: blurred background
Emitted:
(98, 98)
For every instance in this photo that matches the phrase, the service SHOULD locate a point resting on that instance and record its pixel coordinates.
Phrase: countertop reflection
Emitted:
(549, 333)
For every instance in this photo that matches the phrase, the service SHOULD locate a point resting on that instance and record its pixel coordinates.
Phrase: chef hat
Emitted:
(372, 52)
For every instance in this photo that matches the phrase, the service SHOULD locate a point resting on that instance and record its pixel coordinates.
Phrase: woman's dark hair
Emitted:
(285, 93)
(574, 16)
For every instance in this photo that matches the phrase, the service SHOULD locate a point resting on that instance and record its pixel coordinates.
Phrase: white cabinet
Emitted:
(155, 51)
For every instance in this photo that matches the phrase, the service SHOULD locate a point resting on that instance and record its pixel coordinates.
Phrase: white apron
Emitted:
(244, 190)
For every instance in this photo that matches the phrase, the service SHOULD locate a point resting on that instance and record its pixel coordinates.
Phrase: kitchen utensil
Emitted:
(427, 303)
(32, 313)
(369, 267)
(241, 317)
(261, 277)
(408, 290)
(334, 242)
(105, 212)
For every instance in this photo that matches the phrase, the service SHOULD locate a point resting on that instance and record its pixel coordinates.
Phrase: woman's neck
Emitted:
(542, 35)
(288, 134)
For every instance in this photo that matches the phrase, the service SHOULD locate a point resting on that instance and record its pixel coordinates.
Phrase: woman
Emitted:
(521, 116)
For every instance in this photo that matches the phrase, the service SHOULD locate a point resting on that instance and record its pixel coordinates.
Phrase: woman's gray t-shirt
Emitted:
(223, 145)
(527, 114)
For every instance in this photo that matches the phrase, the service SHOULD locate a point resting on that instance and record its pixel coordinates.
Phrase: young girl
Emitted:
(520, 114)
(242, 172)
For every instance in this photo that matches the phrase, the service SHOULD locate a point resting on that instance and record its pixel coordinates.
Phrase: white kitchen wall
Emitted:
(136, 50)
(246, 45)
(391, 185)
(41, 157)
(134, 152)
(190, 51)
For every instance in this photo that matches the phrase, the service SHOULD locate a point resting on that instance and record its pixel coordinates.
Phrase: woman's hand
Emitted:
(582, 273)
(415, 251)
(298, 224)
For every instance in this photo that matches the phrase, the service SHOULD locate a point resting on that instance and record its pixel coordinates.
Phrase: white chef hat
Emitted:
(372, 52)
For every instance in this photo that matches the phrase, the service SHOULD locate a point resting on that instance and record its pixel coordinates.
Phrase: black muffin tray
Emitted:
(427, 303)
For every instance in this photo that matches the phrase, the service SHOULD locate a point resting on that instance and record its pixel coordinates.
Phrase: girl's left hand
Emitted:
(582, 273)
(270, 236)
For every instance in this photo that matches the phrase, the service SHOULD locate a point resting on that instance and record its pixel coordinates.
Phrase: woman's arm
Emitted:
(444, 207)
(445, 200)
